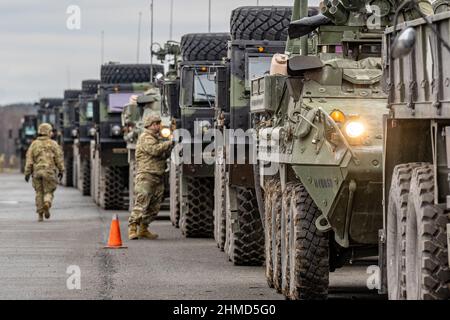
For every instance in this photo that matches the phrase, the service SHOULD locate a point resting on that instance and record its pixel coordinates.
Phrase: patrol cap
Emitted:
(151, 119)
(45, 129)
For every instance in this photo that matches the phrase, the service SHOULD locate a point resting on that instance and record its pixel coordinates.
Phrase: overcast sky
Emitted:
(40, 56)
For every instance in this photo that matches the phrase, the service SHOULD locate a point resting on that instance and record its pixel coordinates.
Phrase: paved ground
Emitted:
(34, 257)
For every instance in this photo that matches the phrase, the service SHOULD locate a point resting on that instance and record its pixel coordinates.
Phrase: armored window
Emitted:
(204, 88)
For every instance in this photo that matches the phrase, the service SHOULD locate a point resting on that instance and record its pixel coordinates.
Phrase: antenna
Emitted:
(139, 38)
(209, 17)
(171, 21)
(151, 42)
(257, 3)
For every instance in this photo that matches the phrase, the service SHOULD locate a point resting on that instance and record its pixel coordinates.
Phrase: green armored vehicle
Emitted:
(192, 164)
(318, 129)
(49, 111)
(416, 236)
(109, 155)
(86, 131)
(27, 133)
(238, 227)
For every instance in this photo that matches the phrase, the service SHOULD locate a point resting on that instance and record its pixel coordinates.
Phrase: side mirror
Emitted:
(403, 43)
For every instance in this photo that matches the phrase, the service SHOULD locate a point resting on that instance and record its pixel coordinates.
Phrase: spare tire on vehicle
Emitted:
(50, 102)
(71, 94)
(114, 73)
(90, 86)
(204, 46)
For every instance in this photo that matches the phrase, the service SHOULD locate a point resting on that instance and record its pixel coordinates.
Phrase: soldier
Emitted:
(44, 162)
(151, 160)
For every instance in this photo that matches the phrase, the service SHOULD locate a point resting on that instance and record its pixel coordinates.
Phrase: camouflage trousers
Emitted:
(45, 185)
(148, 195)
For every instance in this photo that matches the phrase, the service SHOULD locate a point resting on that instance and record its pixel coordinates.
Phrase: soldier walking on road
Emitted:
(44, 163)
(151, 161)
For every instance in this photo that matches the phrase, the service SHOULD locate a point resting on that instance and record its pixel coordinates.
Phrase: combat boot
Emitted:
(47, 206)
(144, 233)
(132, 231)
(40, 217)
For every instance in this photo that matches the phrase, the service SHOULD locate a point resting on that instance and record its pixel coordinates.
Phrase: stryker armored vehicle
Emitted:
(27, 133)
(238, 229)
(109, 155)
(318, 125)
(416, 233)
(192, 164)
(86, 132)
(69, 132)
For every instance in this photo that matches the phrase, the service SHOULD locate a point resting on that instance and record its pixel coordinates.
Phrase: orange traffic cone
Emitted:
(115, 240)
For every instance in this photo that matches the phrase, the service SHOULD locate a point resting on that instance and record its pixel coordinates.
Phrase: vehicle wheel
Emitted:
(196, 210)
(90, 87)
(277, 204)
(260, 23)
(285, 231)
(220, 205)
(68, 175)
(309, 256)
(114, 73)
(269, 191)
(396, 230)
(174, 186)
(71, 94)
(427, 270)
(204, 46)
(86, 174)
(113, 188)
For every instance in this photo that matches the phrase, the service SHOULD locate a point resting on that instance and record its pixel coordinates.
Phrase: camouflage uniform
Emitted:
(44, 162)
(151, 161)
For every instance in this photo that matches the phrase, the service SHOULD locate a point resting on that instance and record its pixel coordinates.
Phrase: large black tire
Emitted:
(174, 186)
(113, 188)
(90, 87)
(204, 46)
(220, 204)
(427, 270)
(196, 215)
(260, 23)
(68, 175)
(396, 230)
(128, 73)
(285, 236)
(51, 102)
(86, 176)
(277, 211)
(270, 187)
(309, 256)
(71, 94)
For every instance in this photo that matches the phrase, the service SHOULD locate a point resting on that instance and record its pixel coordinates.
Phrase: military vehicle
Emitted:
(192, 164)
(415, 237)
(318, 125)
(49, 112)
(86, 131)
(69, 132)
(27, 133)
(109, 155)
(238, 228)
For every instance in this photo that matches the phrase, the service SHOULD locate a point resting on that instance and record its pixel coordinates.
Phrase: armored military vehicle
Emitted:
(318, 125)
(109, 155)
(69, 133)
(238, 227)
(192, 167)
(86, 132)
(27, 133)
(415, 237)
(49, 111)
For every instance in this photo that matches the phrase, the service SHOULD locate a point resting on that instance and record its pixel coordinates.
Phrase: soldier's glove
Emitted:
(27, 178)
(60, 176)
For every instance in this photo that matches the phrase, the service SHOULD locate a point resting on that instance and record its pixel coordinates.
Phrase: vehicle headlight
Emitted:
(166, 132)
(354, 129)
(74, 133)
(92, 132)
(116, 130)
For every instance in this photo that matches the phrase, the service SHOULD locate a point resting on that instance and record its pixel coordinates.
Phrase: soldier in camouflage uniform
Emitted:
(44, 162)
(151, 161)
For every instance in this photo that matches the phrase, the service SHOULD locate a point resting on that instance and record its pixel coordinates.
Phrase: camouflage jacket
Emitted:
(152, 153)
(44, 156)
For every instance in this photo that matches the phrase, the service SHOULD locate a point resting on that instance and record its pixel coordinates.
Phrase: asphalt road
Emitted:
(35, 257)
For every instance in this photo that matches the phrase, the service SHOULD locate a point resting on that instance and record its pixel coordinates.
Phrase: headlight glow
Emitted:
(74, 133)
(92, 132)
(116, 130)
(165, 132)
(354, 129)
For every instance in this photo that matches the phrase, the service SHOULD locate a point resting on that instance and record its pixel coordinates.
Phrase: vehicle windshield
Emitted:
(90, 110)
(204, 88)
(30, 130)
(117, 101)
(257, 67)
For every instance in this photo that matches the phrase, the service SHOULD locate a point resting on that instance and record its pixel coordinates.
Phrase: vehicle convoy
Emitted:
(317, 120)
(27, 133)
(415, 237)
(109, 155)
(237, 225)
(192, 164)
(85, 133)
(69, 133)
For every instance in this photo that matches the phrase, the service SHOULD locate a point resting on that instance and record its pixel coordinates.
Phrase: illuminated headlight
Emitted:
(205, 126)
(354, 129)
(74, 133)
(92, 132)
(116, 130)
(165, 133)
